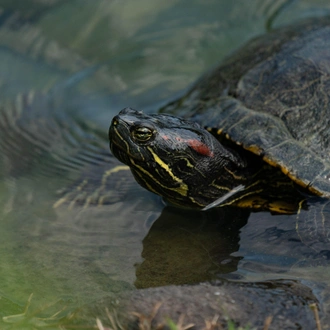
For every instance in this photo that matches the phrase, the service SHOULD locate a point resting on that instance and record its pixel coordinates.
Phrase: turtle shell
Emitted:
(272, 97)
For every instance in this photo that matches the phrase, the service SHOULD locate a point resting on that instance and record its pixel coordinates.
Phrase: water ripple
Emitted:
(38, 139)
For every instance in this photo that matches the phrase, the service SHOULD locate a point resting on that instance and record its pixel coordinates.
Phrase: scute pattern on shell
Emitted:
(272, 97)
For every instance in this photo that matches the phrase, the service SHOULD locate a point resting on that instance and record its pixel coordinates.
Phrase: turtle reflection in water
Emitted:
(254, 132)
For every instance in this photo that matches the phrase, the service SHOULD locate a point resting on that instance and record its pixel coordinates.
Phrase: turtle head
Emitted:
(173, 157)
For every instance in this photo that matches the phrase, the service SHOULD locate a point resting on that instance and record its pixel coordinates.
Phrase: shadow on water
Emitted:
(184, 247)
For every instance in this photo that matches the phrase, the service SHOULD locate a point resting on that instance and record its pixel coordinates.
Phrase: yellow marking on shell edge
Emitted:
(313, 190)
(301, 183)
(254, 149)
(220, 130)
(273, 163)
(182, 190)
(293, 177)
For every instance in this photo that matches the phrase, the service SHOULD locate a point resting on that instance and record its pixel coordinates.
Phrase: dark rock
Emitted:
(285, 304)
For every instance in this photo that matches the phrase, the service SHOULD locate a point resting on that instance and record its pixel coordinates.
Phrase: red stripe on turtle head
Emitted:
(200, 147)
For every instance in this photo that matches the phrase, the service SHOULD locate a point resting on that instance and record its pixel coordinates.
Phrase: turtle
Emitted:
(253, 132)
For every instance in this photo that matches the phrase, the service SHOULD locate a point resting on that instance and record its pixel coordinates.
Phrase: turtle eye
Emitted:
(142, 134)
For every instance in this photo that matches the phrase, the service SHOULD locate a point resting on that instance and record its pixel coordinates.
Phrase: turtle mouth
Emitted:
(120, 154)
(119, 145)
(117, 148)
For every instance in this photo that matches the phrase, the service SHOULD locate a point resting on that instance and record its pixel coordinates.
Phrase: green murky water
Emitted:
(85, 60)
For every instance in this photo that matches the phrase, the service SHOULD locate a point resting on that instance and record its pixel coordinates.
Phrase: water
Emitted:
(83, 62)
